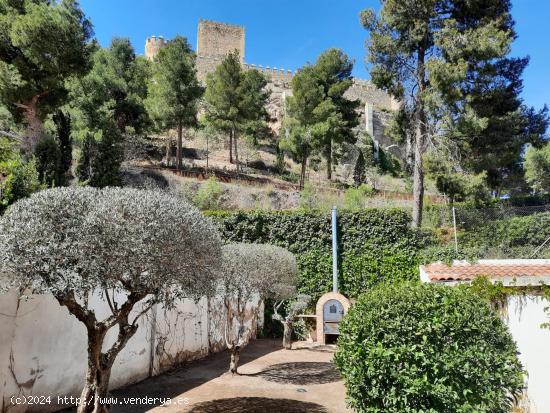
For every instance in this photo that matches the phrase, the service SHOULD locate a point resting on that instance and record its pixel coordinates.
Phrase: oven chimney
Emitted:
(334, 251)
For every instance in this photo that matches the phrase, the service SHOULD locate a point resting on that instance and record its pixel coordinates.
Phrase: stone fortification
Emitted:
(216, 40)
(219, 39)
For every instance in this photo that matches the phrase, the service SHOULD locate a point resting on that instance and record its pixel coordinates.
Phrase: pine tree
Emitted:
(335, 115)
(423, 52)
(235, 101)
(174, 90)
(109, 102)
(42, 44)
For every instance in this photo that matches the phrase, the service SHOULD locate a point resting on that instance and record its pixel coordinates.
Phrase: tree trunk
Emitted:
(179, 144)
(420, 133)
(303, 173)
(231, 132)
(168, 151)
(287, 335)
(234, 363)
(236, 152)
(418, 180)
(94, 395)
(329, 162)
(35, 126)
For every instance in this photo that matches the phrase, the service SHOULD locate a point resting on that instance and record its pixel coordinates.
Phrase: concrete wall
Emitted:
(43, 347)
(524, 317)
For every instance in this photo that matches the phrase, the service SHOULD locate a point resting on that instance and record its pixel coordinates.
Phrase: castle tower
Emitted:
(219, 39)
(152, 46)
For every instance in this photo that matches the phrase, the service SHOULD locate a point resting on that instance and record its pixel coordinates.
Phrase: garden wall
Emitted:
(43, 347)
(525, 315)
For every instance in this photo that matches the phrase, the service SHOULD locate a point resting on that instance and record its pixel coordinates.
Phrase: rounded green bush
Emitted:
(424, 348)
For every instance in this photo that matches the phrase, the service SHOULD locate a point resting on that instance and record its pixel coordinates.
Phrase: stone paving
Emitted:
(271, 380)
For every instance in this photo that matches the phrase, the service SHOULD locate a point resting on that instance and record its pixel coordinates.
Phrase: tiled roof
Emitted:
(494, 269)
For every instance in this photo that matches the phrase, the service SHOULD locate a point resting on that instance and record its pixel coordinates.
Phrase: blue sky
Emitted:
(288, 33)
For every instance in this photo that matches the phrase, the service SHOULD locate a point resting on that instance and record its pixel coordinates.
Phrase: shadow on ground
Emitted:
(184, 378)
(257, 405)
(320, 349)
(303, 373)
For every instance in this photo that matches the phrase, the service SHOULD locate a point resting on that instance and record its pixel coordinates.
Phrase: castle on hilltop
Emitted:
(215, 40)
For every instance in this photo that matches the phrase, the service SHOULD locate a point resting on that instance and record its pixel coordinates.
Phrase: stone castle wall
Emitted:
(219, 39)
(216, 40)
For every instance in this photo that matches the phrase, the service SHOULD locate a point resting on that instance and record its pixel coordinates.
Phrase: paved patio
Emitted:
(271, 380)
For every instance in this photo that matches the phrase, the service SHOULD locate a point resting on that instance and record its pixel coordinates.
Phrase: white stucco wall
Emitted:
(524, 317)
(43, 347)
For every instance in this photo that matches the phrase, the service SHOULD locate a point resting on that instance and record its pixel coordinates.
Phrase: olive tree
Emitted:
(251, 272)
(132, 248)
(296, 305)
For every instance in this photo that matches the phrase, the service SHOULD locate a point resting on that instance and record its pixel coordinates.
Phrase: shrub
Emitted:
(425, 348)
(531, 230)
(361, 269)
(356, 198)
(18, 179)
(374, 244)
(309, 199)
(301, 231)
(209, 195)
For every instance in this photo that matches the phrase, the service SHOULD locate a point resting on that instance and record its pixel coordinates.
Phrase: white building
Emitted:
(525, 313)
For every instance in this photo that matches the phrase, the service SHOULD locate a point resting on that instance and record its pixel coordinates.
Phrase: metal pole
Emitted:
(334, 252)
(454, 225)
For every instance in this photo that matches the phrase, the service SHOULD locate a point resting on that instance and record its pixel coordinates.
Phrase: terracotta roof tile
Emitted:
(464, 271)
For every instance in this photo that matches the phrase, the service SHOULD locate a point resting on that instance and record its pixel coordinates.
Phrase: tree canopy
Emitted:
(446, 61)
(42, 44)
(318, 116)
(108, 106)
(235, 101)
(537, 168)
(174, 90)
(252, 272)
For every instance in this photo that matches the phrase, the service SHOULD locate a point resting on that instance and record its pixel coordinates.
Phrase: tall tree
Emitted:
(109, 104)
(423, 52)
(336, 116)
(42, 44)
(318, 116)
(235, 101)
(113, 91)
(174, 90)
(299, 118)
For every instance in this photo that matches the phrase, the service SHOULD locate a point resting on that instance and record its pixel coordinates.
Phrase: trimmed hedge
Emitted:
(301, 231)
(374, 244)
(422, 348)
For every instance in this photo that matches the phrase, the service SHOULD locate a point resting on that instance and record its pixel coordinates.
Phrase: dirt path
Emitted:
(271, 380)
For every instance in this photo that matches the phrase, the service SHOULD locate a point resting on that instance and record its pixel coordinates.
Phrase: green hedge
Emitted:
(529, 231)
(421, 348)
(374, 244)
(301, 231)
